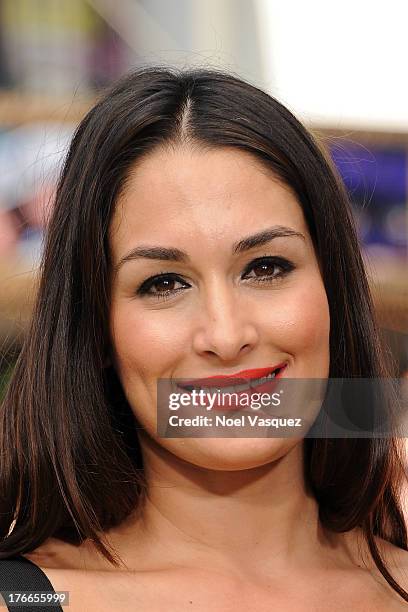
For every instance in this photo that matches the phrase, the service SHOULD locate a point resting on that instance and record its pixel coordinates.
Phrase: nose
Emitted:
(226, 329)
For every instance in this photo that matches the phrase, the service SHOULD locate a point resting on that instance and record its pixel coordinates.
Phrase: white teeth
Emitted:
(257, 381)
(235, 388)
(251, 384)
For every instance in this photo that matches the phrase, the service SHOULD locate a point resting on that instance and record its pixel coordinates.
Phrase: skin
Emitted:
(228, 523)
(222, 323)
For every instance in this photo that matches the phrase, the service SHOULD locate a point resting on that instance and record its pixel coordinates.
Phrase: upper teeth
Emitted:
(252, 383)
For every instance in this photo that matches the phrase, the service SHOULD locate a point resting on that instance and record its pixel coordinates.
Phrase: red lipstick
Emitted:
(226, 380)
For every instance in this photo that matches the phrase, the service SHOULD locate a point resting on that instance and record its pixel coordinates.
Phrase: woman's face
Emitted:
(218, 310)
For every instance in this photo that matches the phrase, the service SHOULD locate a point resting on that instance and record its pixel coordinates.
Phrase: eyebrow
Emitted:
(174, 254)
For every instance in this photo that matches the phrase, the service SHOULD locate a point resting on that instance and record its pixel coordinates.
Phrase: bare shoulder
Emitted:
(79, 572)
(394, 556)
(396, 559)
(86, 576)
(114, 590)
(55, 554)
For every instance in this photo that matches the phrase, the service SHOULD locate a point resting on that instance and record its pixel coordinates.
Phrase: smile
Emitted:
(233, 383)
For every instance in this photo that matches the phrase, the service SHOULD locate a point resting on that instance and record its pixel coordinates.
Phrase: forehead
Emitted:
(201, 195)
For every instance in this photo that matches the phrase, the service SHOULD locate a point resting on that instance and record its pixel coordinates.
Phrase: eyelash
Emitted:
(285, 265)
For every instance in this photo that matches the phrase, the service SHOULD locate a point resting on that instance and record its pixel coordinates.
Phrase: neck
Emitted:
(246, 520)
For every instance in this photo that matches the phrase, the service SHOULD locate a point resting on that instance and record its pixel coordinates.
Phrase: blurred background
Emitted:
(340, 67)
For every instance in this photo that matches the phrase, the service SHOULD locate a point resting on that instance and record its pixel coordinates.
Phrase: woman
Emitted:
(198, 231)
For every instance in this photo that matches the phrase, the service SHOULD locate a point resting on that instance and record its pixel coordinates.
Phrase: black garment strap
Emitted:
(20, 574)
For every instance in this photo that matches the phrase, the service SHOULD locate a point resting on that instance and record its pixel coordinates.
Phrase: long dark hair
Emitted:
(68, 437)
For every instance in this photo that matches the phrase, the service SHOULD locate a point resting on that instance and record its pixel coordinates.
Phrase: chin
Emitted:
(232, 454)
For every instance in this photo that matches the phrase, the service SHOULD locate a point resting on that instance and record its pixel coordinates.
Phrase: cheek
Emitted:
(300, 321)
(132, 331)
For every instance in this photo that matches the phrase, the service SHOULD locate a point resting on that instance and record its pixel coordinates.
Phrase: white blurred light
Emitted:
(339, 63)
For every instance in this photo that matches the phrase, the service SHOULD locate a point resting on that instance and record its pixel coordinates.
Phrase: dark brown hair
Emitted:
(68, 436)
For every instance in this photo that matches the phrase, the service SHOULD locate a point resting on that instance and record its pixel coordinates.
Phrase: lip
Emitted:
(267, 386)
(227, 380)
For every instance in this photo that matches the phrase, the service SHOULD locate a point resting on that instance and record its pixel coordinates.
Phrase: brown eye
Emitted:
(269, 268)
(265, 268)
(163, 285)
